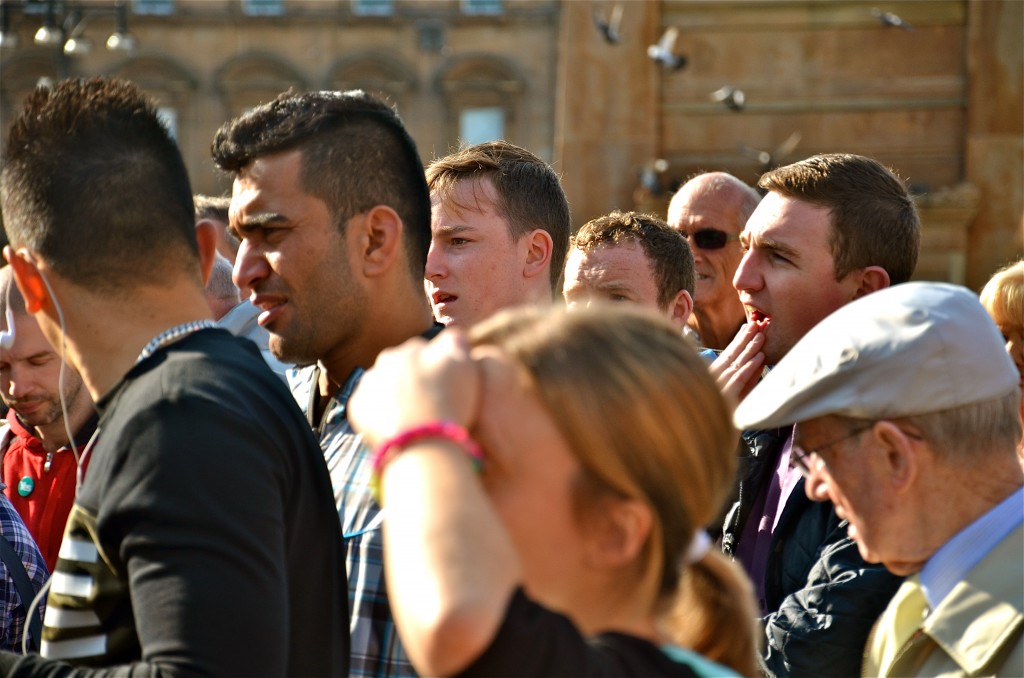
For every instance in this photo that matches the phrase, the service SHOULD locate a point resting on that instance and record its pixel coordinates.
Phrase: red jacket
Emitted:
(45, 509)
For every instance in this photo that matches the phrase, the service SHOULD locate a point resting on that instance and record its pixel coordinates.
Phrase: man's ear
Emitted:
(619, 533)
(901, 460)
(871, 279)
(380, 241)
(28, 278)
(539, 245)
(206, 237)
(680, 307)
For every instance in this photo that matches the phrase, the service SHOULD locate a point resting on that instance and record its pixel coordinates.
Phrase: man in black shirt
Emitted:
(203, 539)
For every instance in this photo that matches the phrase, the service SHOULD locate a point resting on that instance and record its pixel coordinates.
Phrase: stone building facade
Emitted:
(943, 103)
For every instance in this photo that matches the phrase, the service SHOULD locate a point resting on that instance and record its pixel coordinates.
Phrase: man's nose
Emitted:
(815, 483)
(17, 386)
(746, 277)
(250, 267)
(436, 265)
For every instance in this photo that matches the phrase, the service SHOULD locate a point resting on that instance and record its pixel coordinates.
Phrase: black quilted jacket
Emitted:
(822, 597)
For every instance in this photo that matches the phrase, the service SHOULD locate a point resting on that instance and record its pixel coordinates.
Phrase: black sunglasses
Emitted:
(710, 238)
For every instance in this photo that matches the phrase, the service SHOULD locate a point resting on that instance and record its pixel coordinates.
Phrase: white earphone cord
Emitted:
(34, 607)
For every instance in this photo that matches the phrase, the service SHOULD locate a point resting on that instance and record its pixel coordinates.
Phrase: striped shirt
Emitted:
(376, 648)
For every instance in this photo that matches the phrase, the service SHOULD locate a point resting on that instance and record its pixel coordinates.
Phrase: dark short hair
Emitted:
(356, 154)
(212, 207)
(874, 220)
(95, 186)
(530, 195)
(666, 248)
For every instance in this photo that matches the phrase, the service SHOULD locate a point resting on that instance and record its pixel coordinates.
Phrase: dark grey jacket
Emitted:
(822, 597)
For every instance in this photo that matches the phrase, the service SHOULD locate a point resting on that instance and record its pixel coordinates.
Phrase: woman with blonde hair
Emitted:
(546, 481)
(1003, 298)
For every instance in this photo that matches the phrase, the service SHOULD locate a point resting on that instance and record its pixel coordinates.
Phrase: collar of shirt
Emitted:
(958, 556)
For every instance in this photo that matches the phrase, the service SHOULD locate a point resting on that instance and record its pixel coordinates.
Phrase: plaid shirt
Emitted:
(12, 608)
(376, 648)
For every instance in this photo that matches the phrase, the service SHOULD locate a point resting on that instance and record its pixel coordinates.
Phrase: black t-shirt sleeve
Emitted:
(204, 561)
(534, 641)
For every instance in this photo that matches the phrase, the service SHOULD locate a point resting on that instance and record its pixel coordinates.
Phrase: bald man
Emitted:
(710, 210)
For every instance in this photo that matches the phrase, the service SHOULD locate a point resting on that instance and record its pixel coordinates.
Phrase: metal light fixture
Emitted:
(121, 40)
(77, 44)
(49, 33)
(8, 38)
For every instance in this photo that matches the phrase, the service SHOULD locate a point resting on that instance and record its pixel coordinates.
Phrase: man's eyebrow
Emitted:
(453, 229)
(612, 286)
(252, 221)
(776, 246)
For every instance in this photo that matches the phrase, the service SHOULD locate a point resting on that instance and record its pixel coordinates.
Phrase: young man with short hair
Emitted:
(631, 257)
(831, 229)
(500, 230)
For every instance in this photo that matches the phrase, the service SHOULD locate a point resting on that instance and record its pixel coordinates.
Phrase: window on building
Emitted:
(263, 7)
(373, 7)
(482, 6)
(158, 7)
(477, 125)
(430, 35)
(483, 95)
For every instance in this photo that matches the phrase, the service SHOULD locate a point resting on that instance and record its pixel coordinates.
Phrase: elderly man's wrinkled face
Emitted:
(715, 261)
(847, 466)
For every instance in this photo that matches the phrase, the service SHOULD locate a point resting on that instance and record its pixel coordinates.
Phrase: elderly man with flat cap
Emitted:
(906, 411)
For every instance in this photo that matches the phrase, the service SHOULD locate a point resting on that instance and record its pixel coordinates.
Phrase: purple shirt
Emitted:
(755, 541)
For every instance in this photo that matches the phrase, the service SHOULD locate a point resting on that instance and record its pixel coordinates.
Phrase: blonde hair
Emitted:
(1003, 295)
(645, 421)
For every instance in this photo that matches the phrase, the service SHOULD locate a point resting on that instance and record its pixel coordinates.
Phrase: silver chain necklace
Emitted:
(169, 336)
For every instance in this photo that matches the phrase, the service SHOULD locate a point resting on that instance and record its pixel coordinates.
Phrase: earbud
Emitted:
(7, 336)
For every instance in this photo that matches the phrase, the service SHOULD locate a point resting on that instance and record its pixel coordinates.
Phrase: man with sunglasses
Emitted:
(905, 406)
(831, 229)
(710, 210)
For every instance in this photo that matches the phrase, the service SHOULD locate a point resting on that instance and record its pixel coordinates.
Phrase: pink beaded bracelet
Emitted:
(446, 430)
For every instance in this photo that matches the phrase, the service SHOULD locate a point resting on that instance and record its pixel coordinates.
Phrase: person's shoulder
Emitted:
(699, 664)
(208, 374)
(210, 358)
(631, 655)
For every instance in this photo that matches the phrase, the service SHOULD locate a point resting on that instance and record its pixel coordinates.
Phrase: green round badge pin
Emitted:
(25, 486)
